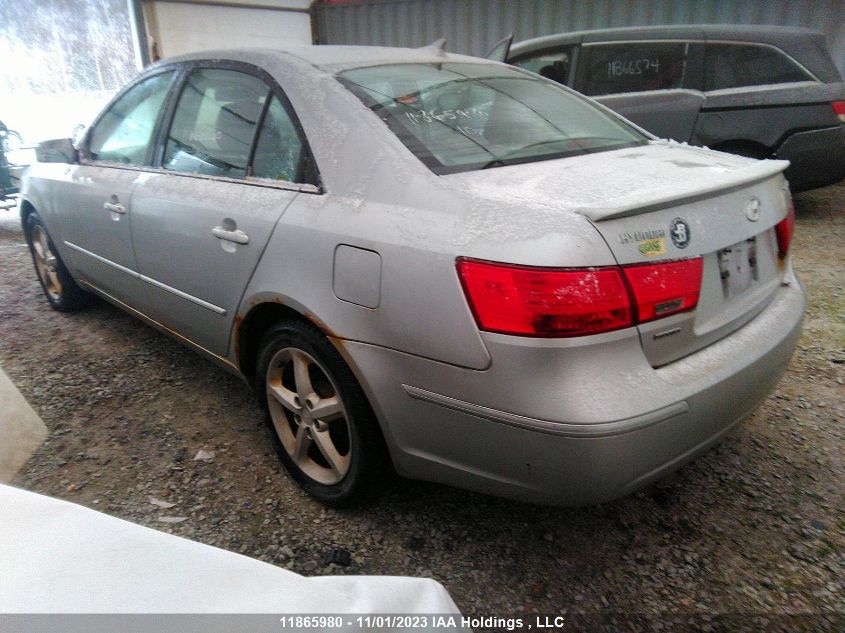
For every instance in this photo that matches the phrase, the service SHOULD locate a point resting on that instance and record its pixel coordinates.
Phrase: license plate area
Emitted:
(738, 267)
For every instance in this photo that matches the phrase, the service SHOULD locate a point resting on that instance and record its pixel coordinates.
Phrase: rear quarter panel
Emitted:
(766, 114)
(378, 196)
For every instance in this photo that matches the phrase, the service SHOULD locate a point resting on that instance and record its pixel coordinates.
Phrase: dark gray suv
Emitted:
(759, 91)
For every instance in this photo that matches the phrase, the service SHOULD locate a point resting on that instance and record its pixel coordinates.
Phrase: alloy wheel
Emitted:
(46, 263)
(309, 416)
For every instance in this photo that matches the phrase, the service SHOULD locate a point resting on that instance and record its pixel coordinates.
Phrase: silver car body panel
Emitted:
(554, 420)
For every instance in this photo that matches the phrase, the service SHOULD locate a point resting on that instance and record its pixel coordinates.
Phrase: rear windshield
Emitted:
(459, 117)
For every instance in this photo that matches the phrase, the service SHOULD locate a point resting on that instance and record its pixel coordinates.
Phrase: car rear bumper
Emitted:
(817, 157)
(570, 424)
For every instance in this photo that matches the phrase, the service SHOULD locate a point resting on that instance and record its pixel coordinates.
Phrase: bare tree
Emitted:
(49, 46)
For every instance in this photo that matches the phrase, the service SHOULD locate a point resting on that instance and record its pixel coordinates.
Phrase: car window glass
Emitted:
(735, 65)
(279, 150)
(552, 65)
(632, 67)
(460, 116)
(123, 133)
(214, 123)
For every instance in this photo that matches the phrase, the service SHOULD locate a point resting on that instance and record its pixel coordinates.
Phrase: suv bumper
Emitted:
(817, 157)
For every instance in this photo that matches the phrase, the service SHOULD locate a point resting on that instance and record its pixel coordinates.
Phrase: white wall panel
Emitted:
(183, 27)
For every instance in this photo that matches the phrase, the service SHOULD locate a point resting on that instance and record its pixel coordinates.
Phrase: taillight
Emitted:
(784, 230)
(543, 301)
(565, 302)
(839, 108)
(665, 288)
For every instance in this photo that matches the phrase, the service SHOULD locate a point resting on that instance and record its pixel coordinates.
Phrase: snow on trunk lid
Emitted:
(733, 232)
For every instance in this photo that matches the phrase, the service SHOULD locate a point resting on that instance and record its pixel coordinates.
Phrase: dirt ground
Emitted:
(756, 526)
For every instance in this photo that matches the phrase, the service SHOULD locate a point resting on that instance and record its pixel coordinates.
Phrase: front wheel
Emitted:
(56, 281)
(323, 427)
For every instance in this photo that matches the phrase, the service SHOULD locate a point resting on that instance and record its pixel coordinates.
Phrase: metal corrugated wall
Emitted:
(473, 26)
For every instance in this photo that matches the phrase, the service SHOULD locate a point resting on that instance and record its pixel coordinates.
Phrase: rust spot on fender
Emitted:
(236, 336)
(325, 329)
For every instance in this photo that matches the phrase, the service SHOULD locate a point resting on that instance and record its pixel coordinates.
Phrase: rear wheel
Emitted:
(323, 427)
(56, 282)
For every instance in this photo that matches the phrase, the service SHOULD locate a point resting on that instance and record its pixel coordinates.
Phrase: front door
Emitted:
(96, 196)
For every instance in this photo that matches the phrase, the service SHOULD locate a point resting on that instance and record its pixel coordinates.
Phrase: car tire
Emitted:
(322, 425)
(56, 281)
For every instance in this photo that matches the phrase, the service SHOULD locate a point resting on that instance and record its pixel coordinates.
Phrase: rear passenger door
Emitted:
(653, 84)
(232, 159)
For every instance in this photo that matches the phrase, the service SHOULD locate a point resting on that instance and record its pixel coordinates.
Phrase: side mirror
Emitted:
(78, 133)
(58, 150)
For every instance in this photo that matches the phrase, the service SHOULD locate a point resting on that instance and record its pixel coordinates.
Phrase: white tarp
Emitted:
(58, 557)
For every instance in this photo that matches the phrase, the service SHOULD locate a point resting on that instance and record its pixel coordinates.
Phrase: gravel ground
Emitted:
(755, 526)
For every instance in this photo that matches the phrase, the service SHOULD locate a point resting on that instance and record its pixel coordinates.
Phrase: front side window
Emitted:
(214, 123)
(124, 132)
(605, 69)
(736, 65)
(461, 116)
(554, 64)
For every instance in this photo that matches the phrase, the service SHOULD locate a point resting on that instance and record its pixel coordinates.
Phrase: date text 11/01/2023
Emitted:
(435, 621)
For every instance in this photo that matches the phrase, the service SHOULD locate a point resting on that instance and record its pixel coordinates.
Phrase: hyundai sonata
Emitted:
(431, 264)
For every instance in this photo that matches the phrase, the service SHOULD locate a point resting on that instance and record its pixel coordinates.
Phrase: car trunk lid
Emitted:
(663, 202)
(729, 222)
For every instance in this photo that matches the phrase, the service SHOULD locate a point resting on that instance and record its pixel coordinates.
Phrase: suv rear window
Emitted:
(458, 117)
(735, 65)
(631, 67)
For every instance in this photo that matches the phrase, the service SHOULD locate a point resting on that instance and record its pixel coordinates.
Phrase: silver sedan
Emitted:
(430, 264)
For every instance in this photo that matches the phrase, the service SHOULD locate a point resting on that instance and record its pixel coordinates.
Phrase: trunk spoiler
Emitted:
(757, 172)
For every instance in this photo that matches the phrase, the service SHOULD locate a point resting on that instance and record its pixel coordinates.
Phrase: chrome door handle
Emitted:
(114, 206)
(237, 236)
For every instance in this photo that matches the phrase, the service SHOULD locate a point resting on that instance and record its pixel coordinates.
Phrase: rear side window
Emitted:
(554, 64)
(632, 67)
(214, 123)
(736, 65)
(278, 154)
(123, 133)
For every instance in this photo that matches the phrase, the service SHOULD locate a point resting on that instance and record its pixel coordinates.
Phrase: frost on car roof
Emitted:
(335, 58)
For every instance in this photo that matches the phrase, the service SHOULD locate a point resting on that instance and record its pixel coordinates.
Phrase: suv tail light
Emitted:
(839, 108)
(566, 302)
(784, 230)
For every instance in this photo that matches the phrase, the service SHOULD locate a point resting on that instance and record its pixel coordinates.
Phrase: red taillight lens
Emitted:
(665, 288)
(545, 302)
(556, 302)
(839, 108)
(784, 230)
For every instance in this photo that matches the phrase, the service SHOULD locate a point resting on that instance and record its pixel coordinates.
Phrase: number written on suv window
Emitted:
(616, 68)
